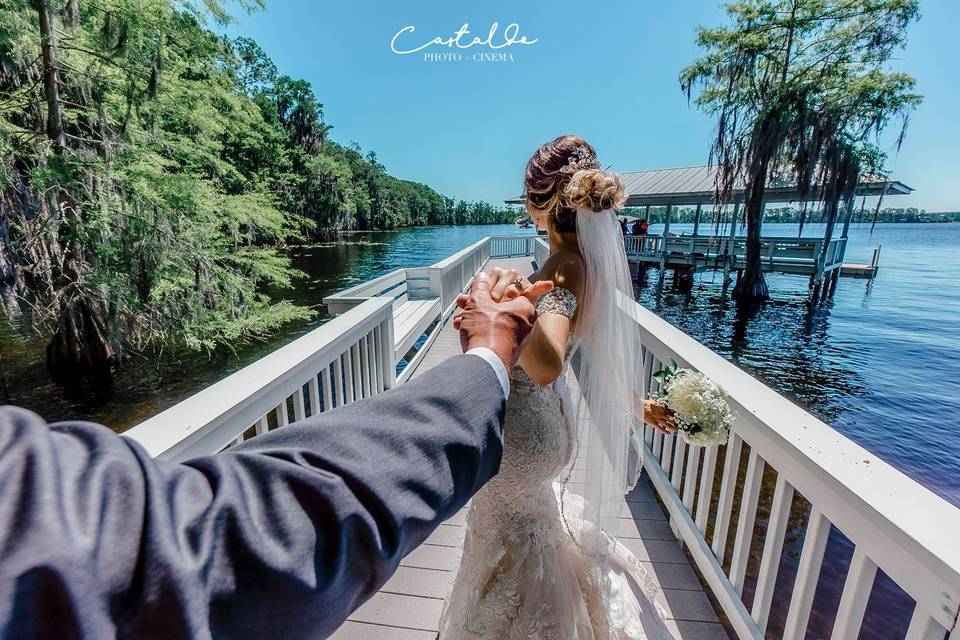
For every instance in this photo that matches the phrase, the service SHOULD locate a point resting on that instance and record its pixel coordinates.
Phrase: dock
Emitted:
(409, 604)
(711, 524)
(668, 190)
(860, 270)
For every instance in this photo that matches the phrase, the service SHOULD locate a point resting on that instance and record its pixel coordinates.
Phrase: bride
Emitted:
(540, 557)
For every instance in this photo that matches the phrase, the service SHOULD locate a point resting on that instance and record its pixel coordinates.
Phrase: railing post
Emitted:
(666, 230)
(386, 352)
(436, 284)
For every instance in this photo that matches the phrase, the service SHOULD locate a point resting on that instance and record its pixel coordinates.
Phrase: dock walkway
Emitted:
(718, 500)
(409, 605)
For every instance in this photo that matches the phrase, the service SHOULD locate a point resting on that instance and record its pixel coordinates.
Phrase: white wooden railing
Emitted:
(896, 525)
(449, 277)
(541, 251)
(636, 245)
(346, 359)
(512, 246)
(393, 285)
(775, 250)
(351, 357)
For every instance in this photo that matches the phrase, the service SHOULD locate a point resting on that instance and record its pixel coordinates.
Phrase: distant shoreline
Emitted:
(353, 232)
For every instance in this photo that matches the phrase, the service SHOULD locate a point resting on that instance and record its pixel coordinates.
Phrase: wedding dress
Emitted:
(524, 574)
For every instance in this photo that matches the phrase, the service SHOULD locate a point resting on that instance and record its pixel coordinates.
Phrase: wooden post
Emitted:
(696, 220)
(848, 217)
(731, 248)
(666, 230)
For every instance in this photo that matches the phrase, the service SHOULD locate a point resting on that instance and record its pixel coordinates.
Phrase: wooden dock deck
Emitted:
(895, 525)
(409, 605)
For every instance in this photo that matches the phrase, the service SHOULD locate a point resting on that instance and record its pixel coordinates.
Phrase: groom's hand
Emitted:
(499, 326)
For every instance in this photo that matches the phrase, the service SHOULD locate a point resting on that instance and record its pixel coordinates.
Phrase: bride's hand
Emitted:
(659, 417)
(507, 284)
(532, 292)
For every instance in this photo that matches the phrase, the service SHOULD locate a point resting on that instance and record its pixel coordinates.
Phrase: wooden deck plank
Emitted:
(683, 604)
(447, 535)
(656, 550)
(409, 605)
(404, 611)
(353, 630)
(646, 530)
(688, 630)
(430, 556)
(673, 576)
(413, 581)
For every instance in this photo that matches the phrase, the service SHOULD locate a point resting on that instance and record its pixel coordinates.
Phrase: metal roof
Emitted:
(694, 185)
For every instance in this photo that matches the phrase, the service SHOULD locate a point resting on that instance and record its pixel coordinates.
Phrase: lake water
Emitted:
(880, 361)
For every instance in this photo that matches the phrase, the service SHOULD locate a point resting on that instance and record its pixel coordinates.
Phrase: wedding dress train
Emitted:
(523, 574)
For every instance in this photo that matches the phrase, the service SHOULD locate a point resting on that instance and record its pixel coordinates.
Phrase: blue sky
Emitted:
(605, 70)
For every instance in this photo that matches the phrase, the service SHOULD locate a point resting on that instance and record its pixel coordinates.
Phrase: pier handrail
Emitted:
(541, 251)
(447, 278)
(389, 284)
(896, 524)
(350, 357)
(336, 363)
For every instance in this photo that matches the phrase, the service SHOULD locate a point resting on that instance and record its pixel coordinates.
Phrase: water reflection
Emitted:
(786, 342)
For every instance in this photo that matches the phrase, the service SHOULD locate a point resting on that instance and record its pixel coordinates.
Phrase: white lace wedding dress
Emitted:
(523, 575)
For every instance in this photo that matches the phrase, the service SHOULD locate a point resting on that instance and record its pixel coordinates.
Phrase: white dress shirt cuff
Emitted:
(497, 364)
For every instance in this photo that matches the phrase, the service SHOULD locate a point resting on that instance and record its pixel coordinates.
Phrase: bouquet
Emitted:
(699, 405)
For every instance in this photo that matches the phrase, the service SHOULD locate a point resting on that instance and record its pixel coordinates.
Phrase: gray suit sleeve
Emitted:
(281, 536)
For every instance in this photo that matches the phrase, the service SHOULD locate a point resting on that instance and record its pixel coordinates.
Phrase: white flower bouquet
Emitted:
(699, 405)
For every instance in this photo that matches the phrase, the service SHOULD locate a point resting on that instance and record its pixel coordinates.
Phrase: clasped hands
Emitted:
(498, 313)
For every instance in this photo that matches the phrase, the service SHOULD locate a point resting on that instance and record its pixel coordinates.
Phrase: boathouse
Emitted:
(709, 248)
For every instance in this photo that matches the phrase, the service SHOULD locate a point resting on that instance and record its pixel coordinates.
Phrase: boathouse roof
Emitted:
(695, 185)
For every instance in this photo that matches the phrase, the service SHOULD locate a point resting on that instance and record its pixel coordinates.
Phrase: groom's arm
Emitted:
(280, 536)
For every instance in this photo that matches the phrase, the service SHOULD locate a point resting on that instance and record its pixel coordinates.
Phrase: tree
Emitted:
(152, 172)
(802, 91)
(130, 211)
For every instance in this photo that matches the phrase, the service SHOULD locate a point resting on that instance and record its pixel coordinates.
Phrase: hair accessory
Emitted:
(580, 158)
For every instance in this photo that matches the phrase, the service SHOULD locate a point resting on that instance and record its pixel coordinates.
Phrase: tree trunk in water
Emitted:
(83, 343)
(751, 285)
(8, 272)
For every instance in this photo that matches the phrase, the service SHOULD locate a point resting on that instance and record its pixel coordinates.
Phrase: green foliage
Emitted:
(801, 90)
(188, 163)
(820, 68)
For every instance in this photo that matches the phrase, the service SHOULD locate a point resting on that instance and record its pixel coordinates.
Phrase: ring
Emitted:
(519, 282)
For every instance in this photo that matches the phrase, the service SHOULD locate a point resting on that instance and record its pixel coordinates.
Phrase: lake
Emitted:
(880, 361)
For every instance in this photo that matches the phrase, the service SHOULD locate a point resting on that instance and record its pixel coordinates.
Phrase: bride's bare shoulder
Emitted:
(566, 269)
